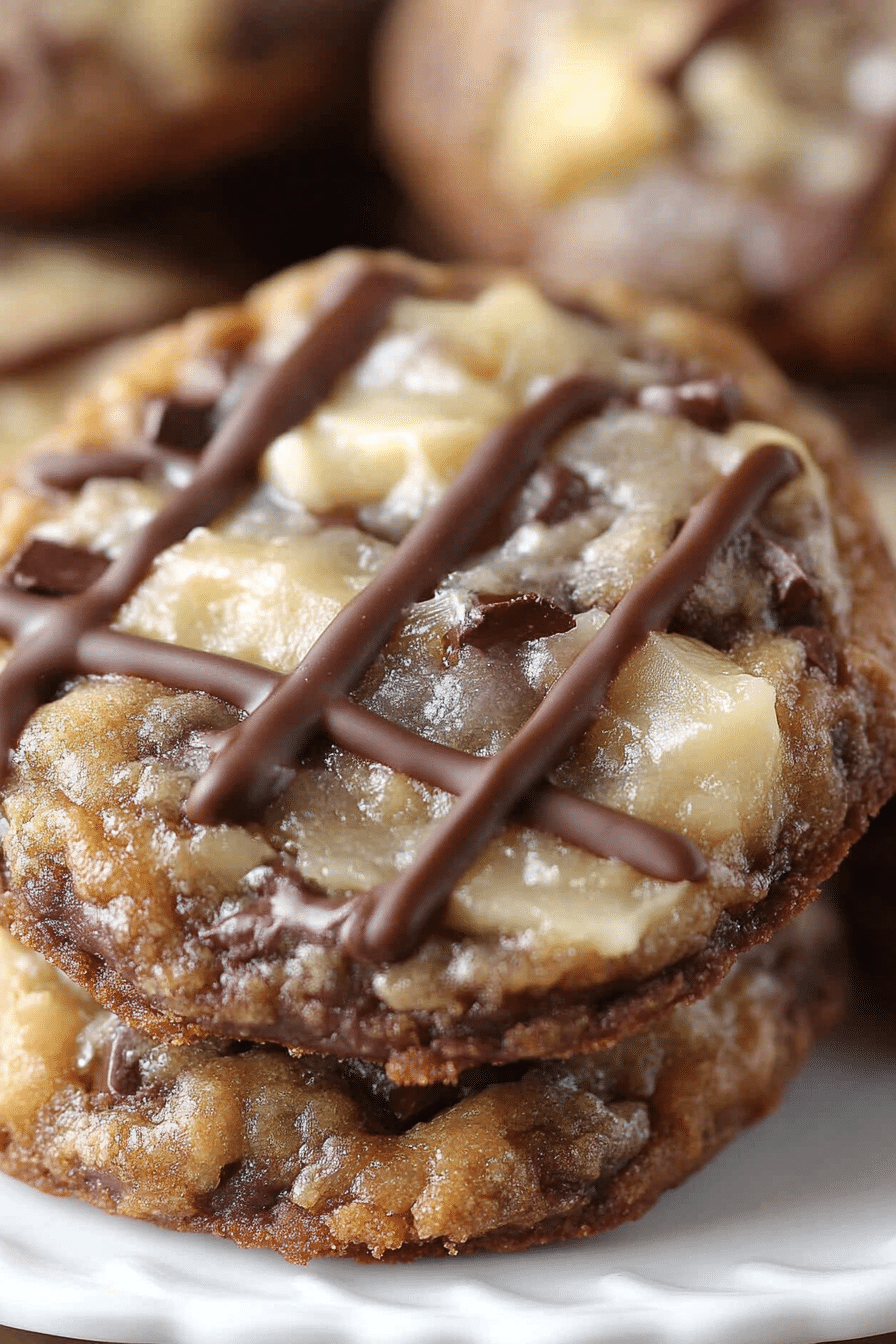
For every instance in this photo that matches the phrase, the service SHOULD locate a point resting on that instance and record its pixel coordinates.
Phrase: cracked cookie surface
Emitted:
(734, 757)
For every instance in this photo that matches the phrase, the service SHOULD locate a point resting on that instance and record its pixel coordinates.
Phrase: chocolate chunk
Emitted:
(719, 14)
(819, 647)
(711, 403)
(500, 619)
(245, 1188)
(794, 593)
(287, 910)
(50, 569)
(183, 423)
(552, 494)
(123, 1065)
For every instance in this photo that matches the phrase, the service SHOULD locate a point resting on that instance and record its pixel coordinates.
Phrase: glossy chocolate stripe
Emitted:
(591, 826)
(69, 471)
(242, 778)
(387, 922)
(651, 849)
(284, 396)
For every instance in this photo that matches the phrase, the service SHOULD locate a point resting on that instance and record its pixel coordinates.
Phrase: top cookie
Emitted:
(587, 565)
(97, 97)
(740, 154)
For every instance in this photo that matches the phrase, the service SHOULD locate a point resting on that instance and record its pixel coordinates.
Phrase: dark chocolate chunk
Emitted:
(50, 569)
(551, 495)
(259, 29)
(123, 1065)
(556, 493)
(245, 1188)
(711, 403)
(819, 647)
(500, 619)
(286, 910)
(183, 423)
(795, 595)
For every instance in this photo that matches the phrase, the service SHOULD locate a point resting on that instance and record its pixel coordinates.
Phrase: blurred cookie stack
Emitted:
(433, 694)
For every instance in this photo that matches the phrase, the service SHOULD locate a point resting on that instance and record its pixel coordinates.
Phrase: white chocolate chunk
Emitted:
(358, 450)
(687, 740)
(403, 424)
(263, 601)
(580, 112)
(562, 896)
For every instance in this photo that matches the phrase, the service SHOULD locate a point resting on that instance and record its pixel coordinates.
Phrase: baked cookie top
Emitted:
(427, 532)
(317, 1156)
(739, 154)
(100, 95)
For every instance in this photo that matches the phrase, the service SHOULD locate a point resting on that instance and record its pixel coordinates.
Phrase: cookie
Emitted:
(65, 303)
(316, 1156)
(98, 97)
(739, 154)
(388, 533)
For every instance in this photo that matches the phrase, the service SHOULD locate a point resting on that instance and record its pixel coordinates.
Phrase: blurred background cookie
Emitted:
(735, 153)
(97, 97)
(66, 302)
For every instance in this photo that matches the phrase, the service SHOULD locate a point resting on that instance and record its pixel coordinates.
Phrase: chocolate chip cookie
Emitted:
(100, 97)
(67, 303)
(410, 667)
(740, 154)
(316, 1156)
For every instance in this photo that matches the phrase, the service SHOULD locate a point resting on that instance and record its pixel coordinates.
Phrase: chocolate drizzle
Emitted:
(241, 778)
(285, 396)
(388, 920)
(67, 635)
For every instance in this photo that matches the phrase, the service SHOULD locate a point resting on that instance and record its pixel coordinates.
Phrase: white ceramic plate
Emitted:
(788, 1238)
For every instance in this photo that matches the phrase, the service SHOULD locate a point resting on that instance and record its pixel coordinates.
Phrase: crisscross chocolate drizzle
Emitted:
(59, 637)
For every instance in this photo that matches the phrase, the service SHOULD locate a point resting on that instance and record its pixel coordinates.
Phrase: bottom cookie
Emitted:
(314, 1156)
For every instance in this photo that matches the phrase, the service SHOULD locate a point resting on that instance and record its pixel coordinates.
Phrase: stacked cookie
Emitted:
(738, 154)
(432, 697)
(382, 536)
